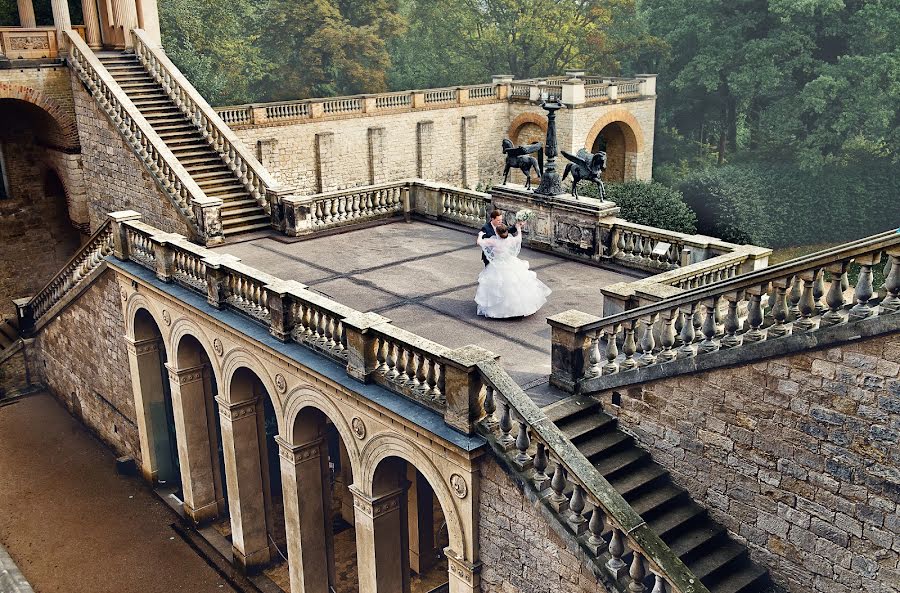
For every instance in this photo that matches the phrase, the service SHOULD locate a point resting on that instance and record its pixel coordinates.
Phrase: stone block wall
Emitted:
(798, 456)
(520, 551)
(115, 178)
(14, 373)
(81, 357)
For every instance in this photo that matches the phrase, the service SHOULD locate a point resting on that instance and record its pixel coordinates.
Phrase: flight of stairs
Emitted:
(240, 212)
(721, 563)
(9, 333)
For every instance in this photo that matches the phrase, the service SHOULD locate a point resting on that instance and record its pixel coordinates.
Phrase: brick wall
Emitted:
(115, 177)
(520, 552)
(797, 456)
(81, 357)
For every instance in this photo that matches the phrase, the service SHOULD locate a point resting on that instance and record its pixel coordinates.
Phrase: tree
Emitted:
(328, 47)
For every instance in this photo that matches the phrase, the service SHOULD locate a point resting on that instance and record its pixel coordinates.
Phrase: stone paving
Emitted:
(423, 277)
(73, 525)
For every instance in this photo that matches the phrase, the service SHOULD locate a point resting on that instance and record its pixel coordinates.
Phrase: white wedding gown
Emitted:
(506, 287)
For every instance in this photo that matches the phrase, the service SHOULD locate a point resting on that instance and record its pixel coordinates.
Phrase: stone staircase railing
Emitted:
(199, 211)
(86, 261)
(798, 297)
(305, 215)
(220, 137)
(624, 549)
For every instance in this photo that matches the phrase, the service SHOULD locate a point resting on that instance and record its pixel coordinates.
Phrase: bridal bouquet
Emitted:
(525, 215)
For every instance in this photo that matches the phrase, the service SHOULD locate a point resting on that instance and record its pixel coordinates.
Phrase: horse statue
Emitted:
(517, 157)
(586, 167)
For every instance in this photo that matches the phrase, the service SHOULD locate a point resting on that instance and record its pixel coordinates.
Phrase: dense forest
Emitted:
(777, 120)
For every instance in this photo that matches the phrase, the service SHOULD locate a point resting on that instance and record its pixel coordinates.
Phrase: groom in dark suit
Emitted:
(490, 229)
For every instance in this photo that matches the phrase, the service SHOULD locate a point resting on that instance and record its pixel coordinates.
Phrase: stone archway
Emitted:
(525, 129)
(620, 135)
(66, 133)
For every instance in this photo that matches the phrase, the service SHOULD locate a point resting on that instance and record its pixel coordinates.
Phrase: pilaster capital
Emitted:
(142, 347)
(468, 572)
(375, 507)
(234, 411)
(298, 454)
(185, 376)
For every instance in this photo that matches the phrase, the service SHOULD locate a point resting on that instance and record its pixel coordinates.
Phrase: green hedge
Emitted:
(779, 205)
(653, 204)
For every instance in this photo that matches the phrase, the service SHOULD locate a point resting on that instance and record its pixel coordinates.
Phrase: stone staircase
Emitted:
(9, 333)
(722, 564)
(240, 211)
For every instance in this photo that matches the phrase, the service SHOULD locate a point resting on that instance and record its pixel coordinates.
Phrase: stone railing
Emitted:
(83, 264)
(609, 531)
(793, 299)
(201, 212)
(252, 175)
(305, 215)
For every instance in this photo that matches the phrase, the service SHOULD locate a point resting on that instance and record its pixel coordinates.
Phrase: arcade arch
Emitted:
(619, 134)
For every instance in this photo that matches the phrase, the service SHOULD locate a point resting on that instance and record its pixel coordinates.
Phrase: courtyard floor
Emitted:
(73, 525)
(423, 277)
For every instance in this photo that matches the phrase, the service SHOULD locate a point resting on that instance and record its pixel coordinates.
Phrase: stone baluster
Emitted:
(489, 406)
(595, 540)
(754, 315)
(557, 500)
(629, 348)
(819, 291)
(576, 520)
(612, 351)
(697, 320)
(807, 304)
(540, 479)
(637, 574)
(434, 381)
(667, 336)
(522, 459)
(793, 298)
(410, 371)
(709, 343)
(392, 372)
(596, 368)
(688, 334)
(732, 323)
(505, 440)
(679, 325)
(779, 309)
(648, 342)
(864, 289)
(891, 301)
(615, 565)
(659, 585)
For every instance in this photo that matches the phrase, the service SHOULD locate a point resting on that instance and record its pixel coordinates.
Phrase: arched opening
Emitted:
(526, 129)
(617, 135)
(153, 399)
(200, 449)
(611, 139)
(34, 211)
(401, 541)
(249, 427)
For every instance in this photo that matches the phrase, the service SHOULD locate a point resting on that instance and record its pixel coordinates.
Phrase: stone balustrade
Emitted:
(611, 534)
(595, 90)
(199, 211)
(32, 43)
(795, 299)
(255, 179)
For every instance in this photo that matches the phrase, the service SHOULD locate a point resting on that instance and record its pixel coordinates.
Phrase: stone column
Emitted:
(26, 14)
(91, 23)
(148, 19)
(304, 515)
(243, 474)
(190, 391)
(126, 18)
(421, 522)
(146, 383)
(61, 21)
(381, 541)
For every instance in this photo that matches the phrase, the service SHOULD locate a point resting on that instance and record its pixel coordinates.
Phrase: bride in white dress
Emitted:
(506, 287)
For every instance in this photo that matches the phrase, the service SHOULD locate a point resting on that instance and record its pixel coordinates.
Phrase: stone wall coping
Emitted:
(290, 195)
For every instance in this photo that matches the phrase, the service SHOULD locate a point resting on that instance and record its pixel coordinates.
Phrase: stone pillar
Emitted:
(146, 383)
(469, 151)
(421, 521)
(126, 19)
(148, 19)
(462, 386)
(324, 160)
(26, 14)
(573, 92)
(190, 391)
(361, 355)
(305, 489)
(243, 473)
(265, 149)
(465, 577)
(569, 348)
(377, 172)
(62, 21)
(424, 149)
(381, 542)
(91, 23)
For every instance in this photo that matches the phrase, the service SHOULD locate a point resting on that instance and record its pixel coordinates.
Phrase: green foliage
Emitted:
(9, 13)
(652, 204)
(777, 205)
(43, 14)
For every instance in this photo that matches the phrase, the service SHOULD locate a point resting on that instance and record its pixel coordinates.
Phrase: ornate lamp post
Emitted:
(551, 184)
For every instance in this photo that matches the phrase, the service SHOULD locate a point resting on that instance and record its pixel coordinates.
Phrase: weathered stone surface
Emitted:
(801, 449)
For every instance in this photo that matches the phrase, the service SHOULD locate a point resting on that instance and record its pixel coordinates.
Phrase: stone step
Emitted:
(150, 102)
(601, 445)
(170, 133)
(715, 564)
(631, 485)
(749, 578)
(214, 176)
(240, 203)
(695, 540)
(651, 503)
(580, 427)
(622, 461)
(170, 129)
(230, 212)
(186, 153)
(229, 195)
(201, 160)
(677, 519)
(5, 341)
(570, 407)
(130, 86)
(246, 228)
(199, 168)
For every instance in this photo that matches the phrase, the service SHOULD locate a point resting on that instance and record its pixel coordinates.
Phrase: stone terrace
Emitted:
(423, 277)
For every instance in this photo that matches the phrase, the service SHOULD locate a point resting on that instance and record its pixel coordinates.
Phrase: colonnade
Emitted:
(219, 418)
(108, 23)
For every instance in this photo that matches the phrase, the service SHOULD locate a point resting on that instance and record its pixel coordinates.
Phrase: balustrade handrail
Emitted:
(150, 149)
(255, 178)
(789, 268)
(695, 240)
(579, 470)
